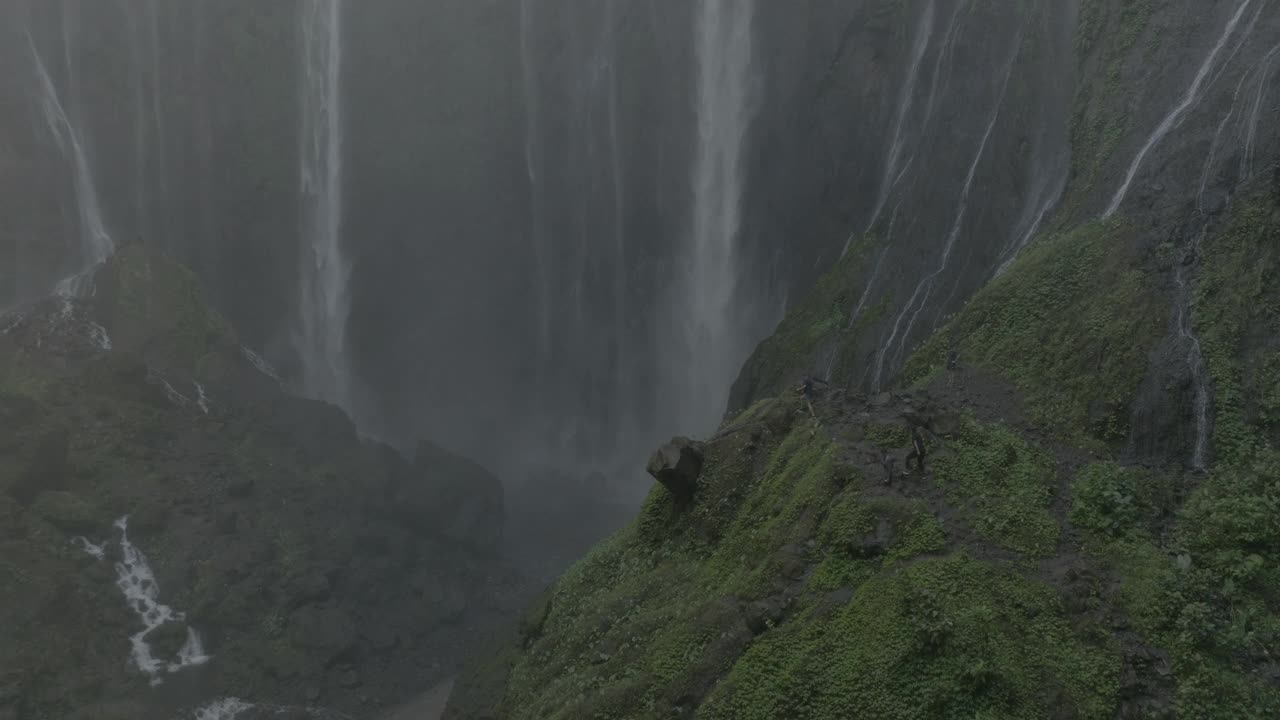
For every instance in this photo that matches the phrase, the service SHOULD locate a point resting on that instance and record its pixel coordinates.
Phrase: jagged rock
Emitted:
(677, 465)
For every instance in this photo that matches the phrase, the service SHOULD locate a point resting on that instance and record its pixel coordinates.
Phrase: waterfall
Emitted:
(1248, 163)
(724, 107)
(151, 201)
(1174, 118)
(920, 297)
(324, 269)
(905, 98)
(875, 272)
(1184, 297)
(1195, 357)
(937, 83)
(532, 109)
(95, 242)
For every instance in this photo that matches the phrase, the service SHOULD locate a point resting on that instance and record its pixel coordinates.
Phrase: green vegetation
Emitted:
(1111, 500)
(796, 588)
(1101, 118)
(791, 589)
(945, 638)
(889, 436)
(1208, 596)
(1236, 308)
(1070, 324)
(1005, 484)
(818, 326)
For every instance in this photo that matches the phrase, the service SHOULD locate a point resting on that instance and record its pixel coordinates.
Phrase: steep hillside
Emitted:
(153, 473)
(1094, 533)
(817, 573)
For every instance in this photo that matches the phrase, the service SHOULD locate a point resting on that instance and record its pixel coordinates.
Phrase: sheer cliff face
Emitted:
(520, 199)
(1167, 133)
(940, 136)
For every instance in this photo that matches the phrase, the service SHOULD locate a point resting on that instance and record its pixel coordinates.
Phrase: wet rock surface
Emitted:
(677, 465)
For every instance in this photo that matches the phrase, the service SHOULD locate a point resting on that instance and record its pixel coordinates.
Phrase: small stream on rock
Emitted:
(1175, 115)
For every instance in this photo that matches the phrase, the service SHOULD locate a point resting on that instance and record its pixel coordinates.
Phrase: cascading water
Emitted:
(895, 168)
(95, 242)
(1248, 162)
(137, 583)
(582, 321)
(1195, 357)
(324, 301)
(924, 33)
(532, 109)
(725, 105)
(151, 199)
(875, 272)
(1175, 116)
(1243, 109)
(945, 53)
(920, 297)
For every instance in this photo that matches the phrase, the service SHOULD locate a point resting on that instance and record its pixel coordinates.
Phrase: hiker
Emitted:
(809, 391)
(809, 386)
(887, 461)
(918, 449)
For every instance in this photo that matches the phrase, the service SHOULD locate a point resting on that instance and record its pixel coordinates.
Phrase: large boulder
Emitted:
(677, 466)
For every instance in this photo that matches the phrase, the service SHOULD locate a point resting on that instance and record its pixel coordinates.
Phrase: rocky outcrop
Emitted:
(677, 465)
(317, 568)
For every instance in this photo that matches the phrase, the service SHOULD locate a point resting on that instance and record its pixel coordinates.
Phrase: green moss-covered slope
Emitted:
(1070, 324)
(801, 583)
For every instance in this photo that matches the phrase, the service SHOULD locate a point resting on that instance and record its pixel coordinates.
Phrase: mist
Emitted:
(336, 329)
